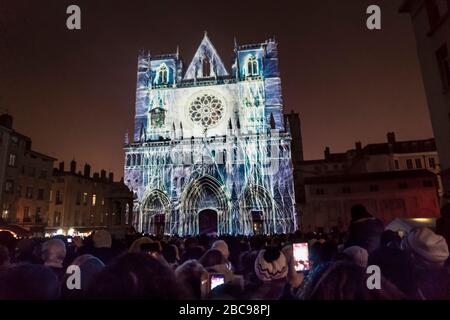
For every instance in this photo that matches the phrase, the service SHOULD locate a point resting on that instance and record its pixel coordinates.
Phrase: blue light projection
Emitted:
(211, 153)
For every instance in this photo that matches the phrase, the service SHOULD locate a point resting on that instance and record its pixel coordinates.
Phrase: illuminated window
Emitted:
(57, 219)
(103, 201)
(12, 160)
(162, 74)
(26, 214)
(85, 198)
(94, 199)
(252, 66)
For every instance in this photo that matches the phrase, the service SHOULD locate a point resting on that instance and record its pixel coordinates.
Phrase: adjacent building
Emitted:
(394, 179)
(431, 21)
(387, 195)
(25, 179)
(81, 203)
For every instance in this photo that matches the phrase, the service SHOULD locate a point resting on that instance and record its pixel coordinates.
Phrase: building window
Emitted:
(409, 164)
(40, 195)
(432, 163)
(444, 65)
(94, 199)
(103, 201)
(29, 193)
(9, 186)
(32, 172)
(396, 165)
(57, 219)
(419, 163)
(252, 66)
(320, 191)
(43, 174)
(403, 185)
(436, 9)
(346, 190)
(374, 188)
(78, 199)
(162, 74)
(428, 183)
(206, 67)
(85, 198)
(12, 160)
(5, 211)
(58, 197)
(26, 214)
(37, 216)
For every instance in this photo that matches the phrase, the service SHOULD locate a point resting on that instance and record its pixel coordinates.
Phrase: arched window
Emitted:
(252, 66)
(138, 159)
(128, 160)
(175, 182)
(162, 74)
(206, 67)
(182, 182)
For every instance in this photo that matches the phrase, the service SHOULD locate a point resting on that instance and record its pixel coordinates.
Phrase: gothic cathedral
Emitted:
(211, 151)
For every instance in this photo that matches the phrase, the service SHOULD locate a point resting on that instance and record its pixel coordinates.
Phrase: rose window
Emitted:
(206, 110)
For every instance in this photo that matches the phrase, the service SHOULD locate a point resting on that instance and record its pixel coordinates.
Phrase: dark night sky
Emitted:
(73, 91)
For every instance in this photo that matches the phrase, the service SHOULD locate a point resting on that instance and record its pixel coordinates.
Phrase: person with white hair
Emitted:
(53, 253)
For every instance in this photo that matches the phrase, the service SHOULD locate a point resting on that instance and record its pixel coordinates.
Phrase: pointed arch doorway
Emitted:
(207, 221)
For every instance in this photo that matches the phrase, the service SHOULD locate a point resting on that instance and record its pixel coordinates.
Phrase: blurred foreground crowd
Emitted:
(415, 266)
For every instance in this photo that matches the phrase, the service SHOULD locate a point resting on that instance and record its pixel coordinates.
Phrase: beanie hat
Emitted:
(222, 247)
(271, 264)
(102, 239)
(358, 255)
(426, 246)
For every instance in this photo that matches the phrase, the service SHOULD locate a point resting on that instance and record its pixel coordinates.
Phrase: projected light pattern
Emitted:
(211, 153)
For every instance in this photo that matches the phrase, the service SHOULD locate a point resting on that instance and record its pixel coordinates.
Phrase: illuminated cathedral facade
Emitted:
(211, 150)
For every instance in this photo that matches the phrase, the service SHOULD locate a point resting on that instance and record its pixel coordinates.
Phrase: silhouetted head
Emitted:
(53, 253)
(191, 274)
(4, 257)
(171, 254)
(396, 266)
(29, 282)
(136, 276)
(358, 211)
(211, 258)
(342, 280)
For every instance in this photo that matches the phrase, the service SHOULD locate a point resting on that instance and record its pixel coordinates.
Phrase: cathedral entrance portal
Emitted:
(257, 219)
(207, 221)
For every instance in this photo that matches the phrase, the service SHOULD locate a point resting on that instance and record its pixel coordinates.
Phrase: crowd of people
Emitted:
(260, 267)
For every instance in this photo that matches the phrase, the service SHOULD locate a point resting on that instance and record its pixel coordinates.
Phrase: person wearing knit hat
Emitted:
(429, 253)
(271, 264)
(358, 255)
(222, 247)
(426, 247)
